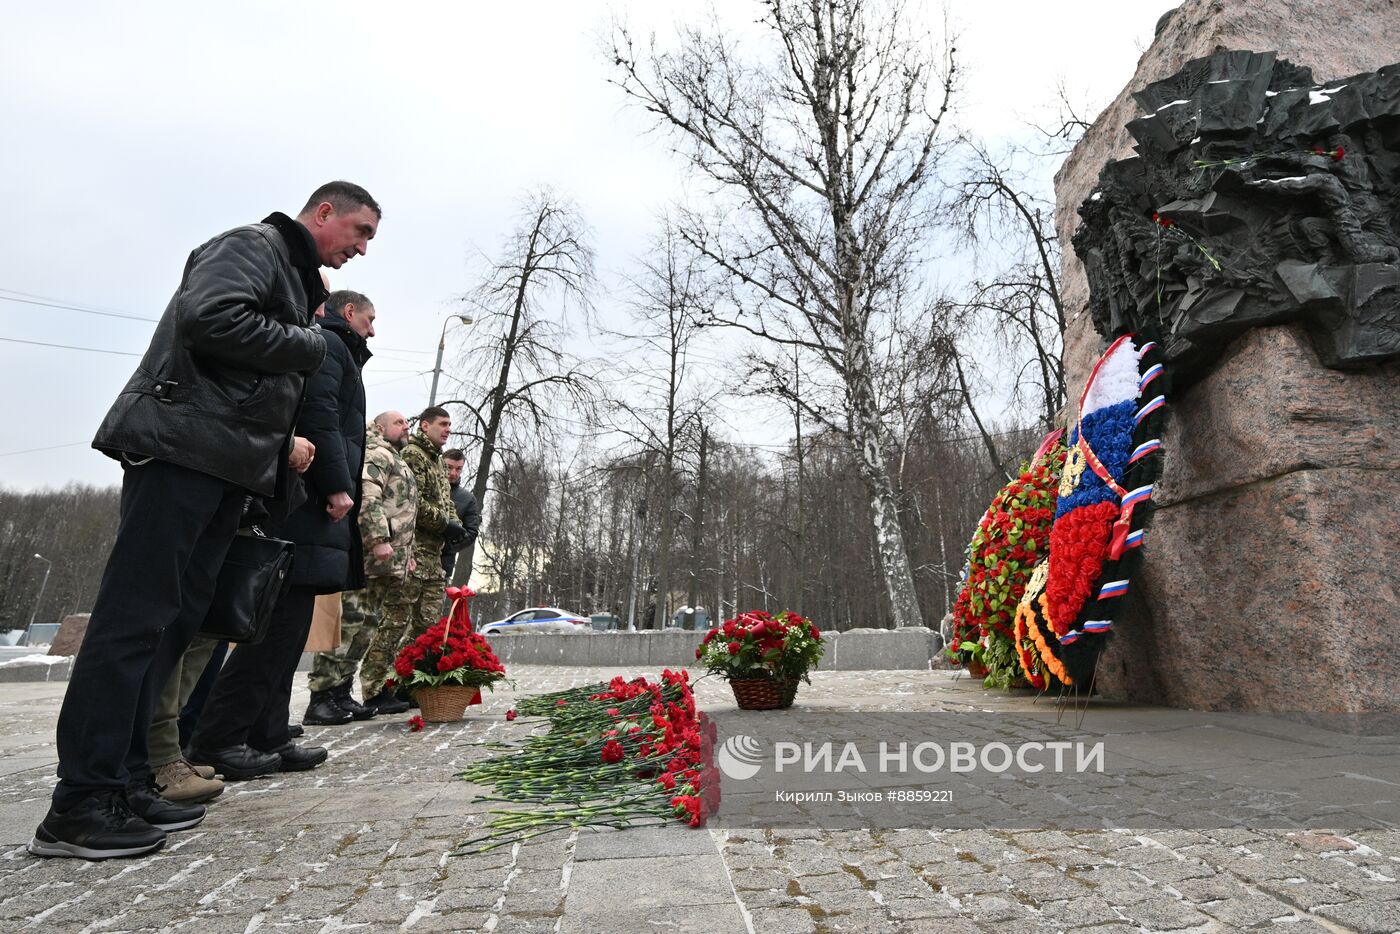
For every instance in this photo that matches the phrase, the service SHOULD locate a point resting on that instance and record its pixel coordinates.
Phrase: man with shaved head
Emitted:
(388, 510)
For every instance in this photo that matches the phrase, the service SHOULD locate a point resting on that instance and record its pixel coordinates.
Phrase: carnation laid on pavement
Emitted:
(617, 754)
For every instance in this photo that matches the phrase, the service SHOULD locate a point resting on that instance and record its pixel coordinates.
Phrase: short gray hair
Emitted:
(338, 299)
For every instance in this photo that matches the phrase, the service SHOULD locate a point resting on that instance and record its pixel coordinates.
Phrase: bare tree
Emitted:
(73, 528)
(820, 166)
(518, 348)
(1000, 215)
(656, 410)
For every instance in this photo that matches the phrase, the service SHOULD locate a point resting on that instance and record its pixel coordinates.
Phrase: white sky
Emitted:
(131, 133)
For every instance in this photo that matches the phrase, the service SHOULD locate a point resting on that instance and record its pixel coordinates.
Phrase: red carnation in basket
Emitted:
(449, 653)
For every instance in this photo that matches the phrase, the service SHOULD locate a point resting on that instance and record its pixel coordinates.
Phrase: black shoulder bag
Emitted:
(256, 573)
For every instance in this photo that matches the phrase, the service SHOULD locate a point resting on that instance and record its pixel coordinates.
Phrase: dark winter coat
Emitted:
(218, 387)
(329, 555)
(469, 514)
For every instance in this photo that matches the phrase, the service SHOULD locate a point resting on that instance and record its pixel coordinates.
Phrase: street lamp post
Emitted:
(442, 342)
(48, 566)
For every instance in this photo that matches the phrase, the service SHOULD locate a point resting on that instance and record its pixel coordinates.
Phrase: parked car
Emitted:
(539, 619)
(606, 622)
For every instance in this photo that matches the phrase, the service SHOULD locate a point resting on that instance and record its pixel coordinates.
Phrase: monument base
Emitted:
(1270, 579)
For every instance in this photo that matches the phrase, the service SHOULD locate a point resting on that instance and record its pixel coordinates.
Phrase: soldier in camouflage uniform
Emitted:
(388, 509)
(411, 608)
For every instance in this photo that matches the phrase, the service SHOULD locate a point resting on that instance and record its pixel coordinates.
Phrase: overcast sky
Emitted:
(131, 133)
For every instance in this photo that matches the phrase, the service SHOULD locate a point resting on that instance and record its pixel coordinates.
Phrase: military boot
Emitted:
(351, 706)
(325, 711)
(385, 702)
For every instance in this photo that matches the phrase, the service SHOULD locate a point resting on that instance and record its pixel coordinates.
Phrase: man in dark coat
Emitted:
(206, 419)
(243, 729)
(454, 461)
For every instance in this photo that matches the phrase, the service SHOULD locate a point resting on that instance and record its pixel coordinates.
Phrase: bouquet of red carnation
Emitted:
(625, 753)
(449, 653)
(758, 644)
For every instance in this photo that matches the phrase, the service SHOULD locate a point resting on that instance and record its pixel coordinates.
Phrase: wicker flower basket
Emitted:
(763, 693)
(445, 703)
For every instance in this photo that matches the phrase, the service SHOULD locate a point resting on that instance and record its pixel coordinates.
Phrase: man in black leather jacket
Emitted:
(243, 729)
(206, 419)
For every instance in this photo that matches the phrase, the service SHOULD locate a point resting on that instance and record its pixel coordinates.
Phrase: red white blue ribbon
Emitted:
(1113, 589)
(1151, 407)
(1144, 449)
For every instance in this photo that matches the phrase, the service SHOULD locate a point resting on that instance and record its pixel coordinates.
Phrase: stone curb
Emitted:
(36, 671)
(908, 649)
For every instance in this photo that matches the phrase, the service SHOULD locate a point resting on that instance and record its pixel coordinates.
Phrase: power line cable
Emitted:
(52, 447)
(397, 379)
(119, 353)
(46, 303)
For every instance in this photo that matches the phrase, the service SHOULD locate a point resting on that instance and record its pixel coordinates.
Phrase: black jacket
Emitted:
(469, 513)
(329, 555)
(218, 388)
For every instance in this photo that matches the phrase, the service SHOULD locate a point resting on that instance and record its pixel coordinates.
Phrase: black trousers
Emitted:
(250, 699)
(175, 528)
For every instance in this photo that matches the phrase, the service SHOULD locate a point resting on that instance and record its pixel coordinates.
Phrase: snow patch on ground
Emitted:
(34, 660)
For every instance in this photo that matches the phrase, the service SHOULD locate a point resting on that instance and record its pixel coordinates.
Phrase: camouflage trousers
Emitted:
(361, 613)
(410, 609)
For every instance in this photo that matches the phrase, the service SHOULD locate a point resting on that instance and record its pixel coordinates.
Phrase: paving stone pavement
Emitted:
(363, 844)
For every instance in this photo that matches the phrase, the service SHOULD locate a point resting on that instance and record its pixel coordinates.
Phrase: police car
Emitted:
(539, 619)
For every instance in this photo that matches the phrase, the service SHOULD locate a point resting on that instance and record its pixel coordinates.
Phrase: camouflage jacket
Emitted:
(388, 505)
(435, 507)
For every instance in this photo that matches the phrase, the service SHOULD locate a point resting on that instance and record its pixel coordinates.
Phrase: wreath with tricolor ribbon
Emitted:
(1105, 498)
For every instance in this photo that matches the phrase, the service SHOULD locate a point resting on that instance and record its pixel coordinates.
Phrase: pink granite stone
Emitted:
(70, 634)
(1269, 580)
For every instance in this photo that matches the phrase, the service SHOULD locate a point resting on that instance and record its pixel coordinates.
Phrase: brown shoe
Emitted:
(203, 771)
(179, 782)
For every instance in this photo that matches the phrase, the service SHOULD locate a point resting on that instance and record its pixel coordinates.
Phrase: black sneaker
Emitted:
(160, 812)
(351, 706)
(324, 710)
(101, 826)
(385, 702)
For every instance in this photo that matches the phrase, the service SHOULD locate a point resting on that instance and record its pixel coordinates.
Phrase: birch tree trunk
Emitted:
(824, 150)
